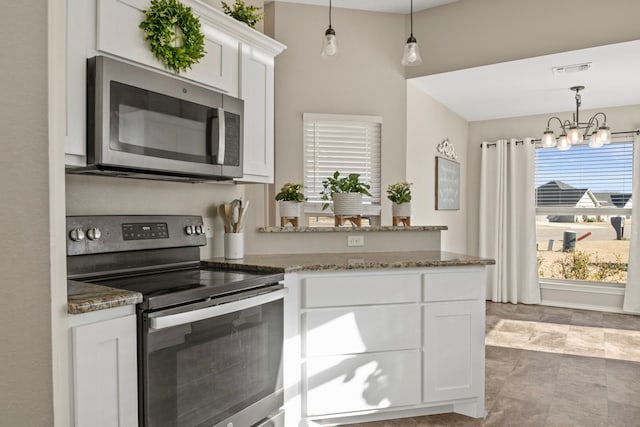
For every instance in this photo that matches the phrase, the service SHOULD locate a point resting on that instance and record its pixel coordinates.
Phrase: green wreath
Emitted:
(174, 34)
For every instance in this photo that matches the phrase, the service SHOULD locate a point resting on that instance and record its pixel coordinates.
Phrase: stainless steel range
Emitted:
(209, 340)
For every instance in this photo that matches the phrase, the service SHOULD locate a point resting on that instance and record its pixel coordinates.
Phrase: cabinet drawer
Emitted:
(360, 289)
(454, 285)
(355, 383)
(361, 330)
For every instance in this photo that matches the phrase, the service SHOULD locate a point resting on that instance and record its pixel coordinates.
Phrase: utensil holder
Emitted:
(234, 245)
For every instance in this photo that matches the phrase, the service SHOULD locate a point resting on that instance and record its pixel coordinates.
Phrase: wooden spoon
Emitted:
(227, 218)
(222, 216)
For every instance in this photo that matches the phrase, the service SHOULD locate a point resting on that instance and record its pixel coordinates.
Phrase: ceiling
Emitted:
(528, 86)
(391, 6)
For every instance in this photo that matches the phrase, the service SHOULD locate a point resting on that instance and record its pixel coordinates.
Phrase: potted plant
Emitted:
(250, 15)
(346, 193)
(400, 194)
(289, 200)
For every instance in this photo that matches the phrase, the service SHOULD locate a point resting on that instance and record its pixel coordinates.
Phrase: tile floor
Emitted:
(548, 366)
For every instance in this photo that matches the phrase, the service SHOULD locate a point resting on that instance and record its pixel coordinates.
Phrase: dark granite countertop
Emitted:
(351, 229)
(87, 297)
(289, 263)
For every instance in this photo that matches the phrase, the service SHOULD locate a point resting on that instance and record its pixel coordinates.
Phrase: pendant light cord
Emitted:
(330, 13)
(411, 18)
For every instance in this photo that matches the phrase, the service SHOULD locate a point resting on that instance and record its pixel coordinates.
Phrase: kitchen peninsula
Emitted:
(379, 335)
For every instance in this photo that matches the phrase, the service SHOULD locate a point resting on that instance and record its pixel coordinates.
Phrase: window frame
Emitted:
(557, 283)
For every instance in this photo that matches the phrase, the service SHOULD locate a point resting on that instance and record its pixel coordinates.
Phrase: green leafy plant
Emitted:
(348, 184)
(240, 11)
(174, 34)
(579, 265)
(291, 192)
(400, 192)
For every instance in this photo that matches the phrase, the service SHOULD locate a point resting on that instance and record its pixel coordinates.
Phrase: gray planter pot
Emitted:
(347, 204)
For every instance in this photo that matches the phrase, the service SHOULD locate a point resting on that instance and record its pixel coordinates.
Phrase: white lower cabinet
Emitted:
(453, 350)
(339, 384)
(373, 344)
(104, 369)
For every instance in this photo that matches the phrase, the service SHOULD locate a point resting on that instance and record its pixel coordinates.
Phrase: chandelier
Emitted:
(576, 132)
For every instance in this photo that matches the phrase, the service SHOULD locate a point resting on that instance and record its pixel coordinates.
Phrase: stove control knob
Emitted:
(189, 230)
(94, 233)
(199, 229)
(76, 234)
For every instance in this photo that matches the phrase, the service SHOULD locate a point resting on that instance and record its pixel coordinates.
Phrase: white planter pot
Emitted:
(289, 209)
(347, 204)
(401, 209)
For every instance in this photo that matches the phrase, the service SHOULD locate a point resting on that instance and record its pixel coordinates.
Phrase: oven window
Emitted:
(201, 373)
(152, 124)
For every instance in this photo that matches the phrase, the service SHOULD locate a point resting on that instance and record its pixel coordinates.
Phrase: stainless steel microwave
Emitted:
(146, 124)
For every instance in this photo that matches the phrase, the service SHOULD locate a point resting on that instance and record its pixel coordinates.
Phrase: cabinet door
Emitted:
(119, 34)
(342, 384)
(80, 35)
(105, 373)
(256, 89)
(453, 350)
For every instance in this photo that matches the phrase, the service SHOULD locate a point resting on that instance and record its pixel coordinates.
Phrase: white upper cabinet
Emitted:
(256, 89)
(118, 33)
(239, 61)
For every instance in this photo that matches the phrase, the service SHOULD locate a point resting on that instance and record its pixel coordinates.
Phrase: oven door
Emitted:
(212, 363)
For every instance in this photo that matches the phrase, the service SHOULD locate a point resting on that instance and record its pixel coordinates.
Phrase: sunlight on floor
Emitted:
(608, 343)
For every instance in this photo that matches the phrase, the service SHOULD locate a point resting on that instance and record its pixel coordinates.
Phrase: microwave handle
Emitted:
(221, 136)
(162, 322)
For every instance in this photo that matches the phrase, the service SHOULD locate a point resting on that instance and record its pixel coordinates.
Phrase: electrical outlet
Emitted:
(355, 240)
(207, 224)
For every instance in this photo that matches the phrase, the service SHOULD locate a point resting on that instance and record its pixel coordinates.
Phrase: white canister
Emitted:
(289, 209)
(234, 245)
(401, 209)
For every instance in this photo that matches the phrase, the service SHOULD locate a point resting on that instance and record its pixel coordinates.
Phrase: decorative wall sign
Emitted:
(447, 149)
(447, 184)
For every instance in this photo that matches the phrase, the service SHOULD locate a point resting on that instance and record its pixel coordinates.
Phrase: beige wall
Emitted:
(92, 195)
(26, 394)
(428, 124)
(469, 33)
(620, 119)
(366, 78)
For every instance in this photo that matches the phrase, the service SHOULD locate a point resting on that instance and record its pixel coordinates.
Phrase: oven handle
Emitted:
(162, 322)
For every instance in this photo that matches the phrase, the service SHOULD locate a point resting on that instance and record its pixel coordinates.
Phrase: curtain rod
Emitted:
(534, 141)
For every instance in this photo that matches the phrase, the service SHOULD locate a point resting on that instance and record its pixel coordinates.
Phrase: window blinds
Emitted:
(585, 177)
(344, 143)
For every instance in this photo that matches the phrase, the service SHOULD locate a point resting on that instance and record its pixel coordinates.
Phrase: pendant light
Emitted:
(411, 50)
(329, 43)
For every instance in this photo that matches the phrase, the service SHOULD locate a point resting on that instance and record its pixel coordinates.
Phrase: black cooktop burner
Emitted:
(166, 288)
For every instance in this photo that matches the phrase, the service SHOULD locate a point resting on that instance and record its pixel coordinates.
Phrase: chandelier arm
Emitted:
(562, 125)
(593, 118)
